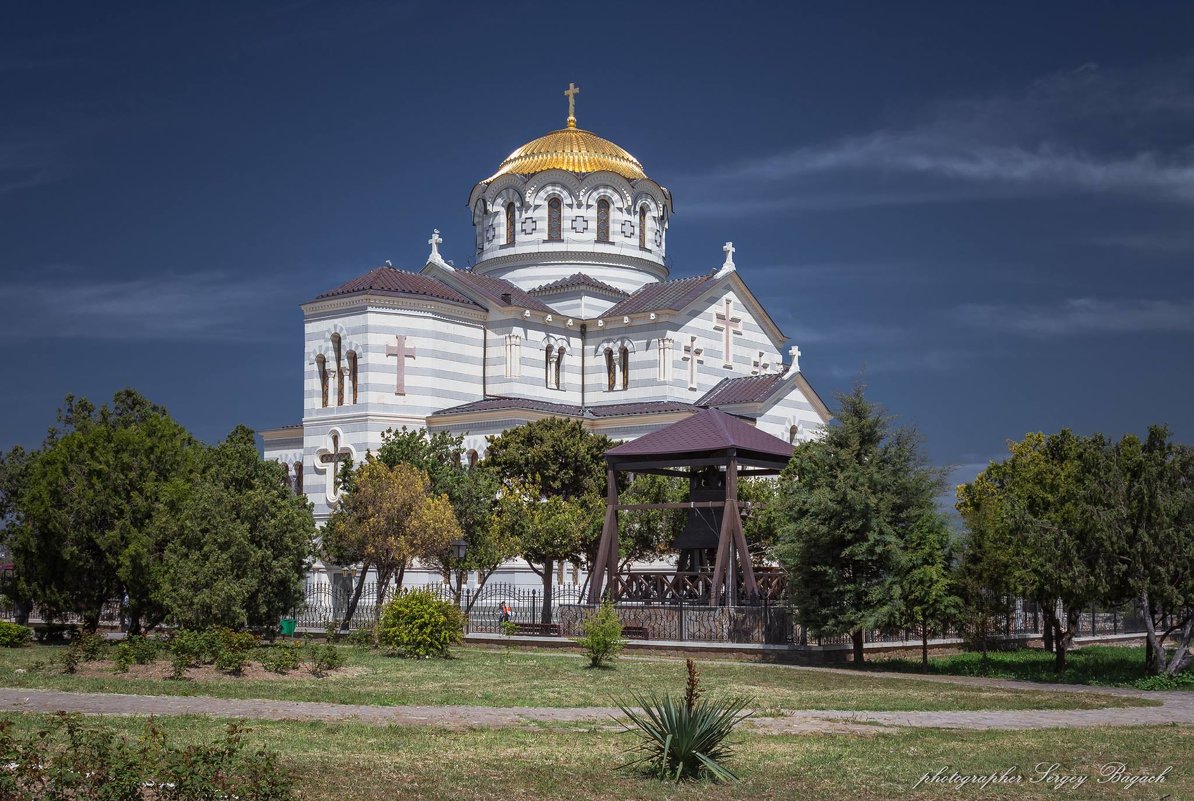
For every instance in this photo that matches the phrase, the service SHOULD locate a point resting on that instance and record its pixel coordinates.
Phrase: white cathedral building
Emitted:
(570, 310)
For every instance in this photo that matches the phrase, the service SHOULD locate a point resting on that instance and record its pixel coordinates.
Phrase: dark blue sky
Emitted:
(984, 209)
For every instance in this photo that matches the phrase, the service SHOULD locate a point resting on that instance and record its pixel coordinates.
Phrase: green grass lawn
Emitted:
(372, 763)
(1106, 665)
(513, 677)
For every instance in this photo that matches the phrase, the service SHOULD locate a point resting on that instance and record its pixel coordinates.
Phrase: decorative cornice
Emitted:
(367, 300)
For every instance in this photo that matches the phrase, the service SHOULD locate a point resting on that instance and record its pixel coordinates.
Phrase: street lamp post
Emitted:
(459, 551)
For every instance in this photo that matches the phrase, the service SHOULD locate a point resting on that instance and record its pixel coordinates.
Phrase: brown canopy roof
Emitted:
(707, 434)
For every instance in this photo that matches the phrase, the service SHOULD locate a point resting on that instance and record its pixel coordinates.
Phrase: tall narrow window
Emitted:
(509, 223)
(473, 458)
(339, 370)
(286, 478)
(321, 364)
(642, 226)
(559, 367)
(548, 352)
(624, 354)
(554, 226)
(352, 373)
(298, 478)
(603, 220)
(611, 375)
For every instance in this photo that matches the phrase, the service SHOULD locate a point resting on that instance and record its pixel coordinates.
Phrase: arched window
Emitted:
(603, 220)
(286, 478)
(352, 373)
(548, 352)
(555, 231)
(611, 375)
(642, 226)
(339, 370)
(559, 366)
(624, 355)
(509, 223)
(793, 434)
(298, 478)
(321, 364)
(472, 457)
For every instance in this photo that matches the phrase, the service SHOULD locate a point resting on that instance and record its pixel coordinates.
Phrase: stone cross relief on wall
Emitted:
(728, 324)
(403, 353)
(327, 460)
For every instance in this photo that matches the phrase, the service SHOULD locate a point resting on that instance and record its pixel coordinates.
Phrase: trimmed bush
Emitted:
(416, 624)
(685, 738)
(280, 658)
(363, 637)
(91, 647)
(322, 659)
(14, 635)
(70, 759)
(234, 650)
(602, 635)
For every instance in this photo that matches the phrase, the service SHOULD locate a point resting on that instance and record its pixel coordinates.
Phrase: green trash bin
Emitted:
(287, 627)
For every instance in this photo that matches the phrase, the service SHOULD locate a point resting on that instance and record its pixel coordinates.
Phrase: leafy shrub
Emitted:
(187, 649)
(602, 635)
(508, 627)
(418, 625)
(143, 650)
(322, 659)
(1164, 682)
(67, 759)
(123, 659)
(363, 637)
(281, 657)
(684, 738)
(14, 635)
(234, 650)
(71, 657)
(91, 646)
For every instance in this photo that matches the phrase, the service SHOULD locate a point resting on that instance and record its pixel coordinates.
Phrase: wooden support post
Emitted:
(719, 566)
(606, 566)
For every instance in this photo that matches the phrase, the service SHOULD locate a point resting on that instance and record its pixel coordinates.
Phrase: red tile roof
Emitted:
(710, 431)
(664, 295)
(501, 404)
(578, 280)
(746, 389)
(392, 281)
(492, 289)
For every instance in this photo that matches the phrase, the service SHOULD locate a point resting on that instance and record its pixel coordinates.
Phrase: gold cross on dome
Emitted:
(572, 91)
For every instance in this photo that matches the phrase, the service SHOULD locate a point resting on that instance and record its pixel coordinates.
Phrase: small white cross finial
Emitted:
(794, 352)
(728, 266)
(435, 242)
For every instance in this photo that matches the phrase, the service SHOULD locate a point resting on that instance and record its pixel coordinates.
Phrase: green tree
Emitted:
(984, 576)
(649, 533)
(82, 529)
(237, 541)
(1144, 496)
(547, 529)
(553, 471)
(1046, 513)
(763, 521)
(471, 489)
(930, 595)
(848, 503)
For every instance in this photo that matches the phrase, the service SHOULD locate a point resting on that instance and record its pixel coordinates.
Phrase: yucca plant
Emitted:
(684, 738)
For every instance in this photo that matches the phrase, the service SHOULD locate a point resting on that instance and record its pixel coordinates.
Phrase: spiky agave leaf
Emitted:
(678, 743)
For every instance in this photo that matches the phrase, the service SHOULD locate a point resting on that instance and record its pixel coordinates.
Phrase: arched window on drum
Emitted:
(555, 211)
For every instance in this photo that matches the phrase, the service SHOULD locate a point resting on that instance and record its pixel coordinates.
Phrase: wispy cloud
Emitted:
(196, 307)
(1077, 316)
(1074, 132)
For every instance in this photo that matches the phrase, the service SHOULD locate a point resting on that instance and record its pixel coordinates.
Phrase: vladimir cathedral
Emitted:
(570, 309)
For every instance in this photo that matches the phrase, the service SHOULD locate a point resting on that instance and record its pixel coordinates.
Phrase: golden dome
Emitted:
(572, 149)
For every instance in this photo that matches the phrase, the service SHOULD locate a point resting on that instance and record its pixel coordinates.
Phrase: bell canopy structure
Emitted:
(568, 202)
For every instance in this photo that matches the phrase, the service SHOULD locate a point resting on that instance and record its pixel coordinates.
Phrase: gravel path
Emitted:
(1177, 707)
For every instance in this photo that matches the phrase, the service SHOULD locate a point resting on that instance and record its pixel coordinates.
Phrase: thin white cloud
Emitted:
(194, 307)
(1074, 132)
(1078, 316)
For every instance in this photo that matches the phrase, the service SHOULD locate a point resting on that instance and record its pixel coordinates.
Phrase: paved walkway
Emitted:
(1177, 707)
